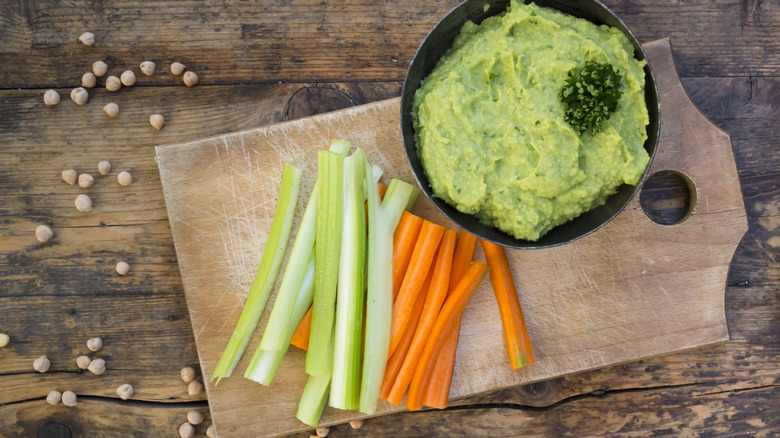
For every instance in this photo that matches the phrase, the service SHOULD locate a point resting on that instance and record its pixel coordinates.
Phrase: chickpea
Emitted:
(100, 68)
(187, 374)
(194, 417)
(194, 388)
(104, 167)
(122, 268)
(190, 79)
(69, 399)
(124, 391)
(124, 178)
(79, 95)
(4, 340)
(97, 366)
(113, 83)
(127, 78)
(148, 67)
(95, 344)
(112, 109)
(70, 176)
(88, 80)
(186, 430)
(157, 120)
(51, 97)
(87, 38)
(83, 362)
(83, 203)
(53, 398)
(210, 432)
(177, 68)
(322, 432)
(356, 424)
(86, 180)
(43, 233)
(41, 364)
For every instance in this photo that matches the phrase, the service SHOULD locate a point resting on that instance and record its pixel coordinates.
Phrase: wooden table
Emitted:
(263, 62)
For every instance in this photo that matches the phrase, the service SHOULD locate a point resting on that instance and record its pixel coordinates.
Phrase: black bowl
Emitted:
(434, 47)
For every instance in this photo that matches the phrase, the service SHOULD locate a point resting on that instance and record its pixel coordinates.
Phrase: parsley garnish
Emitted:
(590, 96)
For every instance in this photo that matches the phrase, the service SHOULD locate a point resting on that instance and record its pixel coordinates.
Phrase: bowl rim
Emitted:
(523, 244)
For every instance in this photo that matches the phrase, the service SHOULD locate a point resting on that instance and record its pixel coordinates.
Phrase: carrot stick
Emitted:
(404, 240)
(436, 387)
(438, 292)
(419, 265)
(382, 190)
(518, 343)
(301, 336)
(449, 315)
(397, 358)
(464, 253)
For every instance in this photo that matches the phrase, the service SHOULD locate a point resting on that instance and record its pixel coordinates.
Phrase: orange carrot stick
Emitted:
(419, 265)
(382, 190)
(436, 387)
(449, 315)
(464, 254)
(518, 343)
(301, 336)
(404, 239)
(439, 286)
(395, 361)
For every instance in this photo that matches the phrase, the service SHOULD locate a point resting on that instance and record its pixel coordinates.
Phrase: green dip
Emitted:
(490, 130)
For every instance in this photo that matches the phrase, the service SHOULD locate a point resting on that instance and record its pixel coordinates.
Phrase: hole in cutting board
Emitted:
(666, 197)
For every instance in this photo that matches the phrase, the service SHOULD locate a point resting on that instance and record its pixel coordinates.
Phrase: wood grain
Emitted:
(618, 295)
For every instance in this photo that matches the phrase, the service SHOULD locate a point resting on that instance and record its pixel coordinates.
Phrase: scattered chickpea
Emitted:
(86, 180)
(87, 38)
(70, 176)
(124, 391)
(41, 364)
(69, 399)
(104, 167)
(127, 78)
(190, 78)
(157, 120)
(122, 268)
(186, 430)
(99, 68)
(88, 80)
(124, 178)
(210, 432)
(97, 366)
(53, 398)
(95, 344)
(356, 424)
(322, 432)
(79, 95)
(148, 67)
(194, 388)
(83, 362)
(187, 374)
(4, 340)
(177, 68)
(43, 233)
(194, 417)
(112, 109)
(83, 203)
(51, 97)
(113, 83)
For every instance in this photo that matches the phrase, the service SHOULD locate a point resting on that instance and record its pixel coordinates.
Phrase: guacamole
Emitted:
(490, 128)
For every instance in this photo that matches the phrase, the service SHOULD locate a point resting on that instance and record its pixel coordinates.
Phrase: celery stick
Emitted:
(266, 274)
(383, 220)
(275, 332)
(326, 261)
(315, 393)
(265, 362)
(348, 337)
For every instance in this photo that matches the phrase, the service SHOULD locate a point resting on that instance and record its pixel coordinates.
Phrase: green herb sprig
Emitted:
(590, 96)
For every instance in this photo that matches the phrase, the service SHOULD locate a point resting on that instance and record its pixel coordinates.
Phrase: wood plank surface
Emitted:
(726, 54)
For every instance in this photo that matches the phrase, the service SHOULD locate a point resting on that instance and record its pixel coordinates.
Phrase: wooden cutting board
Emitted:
(631, 290)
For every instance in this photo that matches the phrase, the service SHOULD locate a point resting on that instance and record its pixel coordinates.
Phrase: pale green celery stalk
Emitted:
(348, 336)
(315, 393)
(265, 362)
(382, 219)
(275, 331)
(266, 274)
(377, 172)
(326, 262)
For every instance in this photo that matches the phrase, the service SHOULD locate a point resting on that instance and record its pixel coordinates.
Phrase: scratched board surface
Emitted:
(631, 290)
